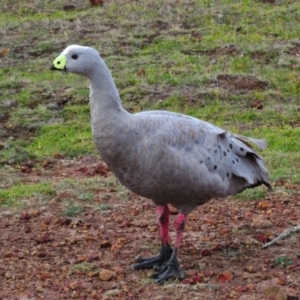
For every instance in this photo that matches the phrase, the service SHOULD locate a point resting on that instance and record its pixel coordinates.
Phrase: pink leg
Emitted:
(172, 268)
(179, 227)
(163, 220)
(165, 251)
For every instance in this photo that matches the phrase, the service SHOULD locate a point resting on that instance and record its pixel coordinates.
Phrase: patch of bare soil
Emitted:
(238, 84)
(229, 49)
(294, 50)
(44, 255)
(268, 1)
(263, 57)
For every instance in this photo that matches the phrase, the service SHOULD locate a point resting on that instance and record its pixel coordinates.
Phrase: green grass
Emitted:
(72, 210)
(83, 267)
(14, 195)
(181, 48)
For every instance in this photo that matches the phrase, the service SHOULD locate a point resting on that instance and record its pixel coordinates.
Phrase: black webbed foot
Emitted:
(171, 269)
(155, 262)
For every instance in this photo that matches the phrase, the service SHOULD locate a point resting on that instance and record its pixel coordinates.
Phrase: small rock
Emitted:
(74, 285)
(260, 223)
(92, 274)
(39, 289)
(141, 72)
(209, 273)
(257, 105)
(274, 292)
(105, 244)
(96, 2)
(206, 252)
(45, 275)
(58, 156)
(241, 288)
(8, 275)
(291, 294)
(106, 275)
(30, 163)
(25, 216)
(250, 269)
(153, 228)
(102, 169)
(250, 241)
(173, 210)
(74, 295)
(25, 169)
(69, 7)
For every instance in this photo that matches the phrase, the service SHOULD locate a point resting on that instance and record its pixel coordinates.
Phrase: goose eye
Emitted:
(74, 56)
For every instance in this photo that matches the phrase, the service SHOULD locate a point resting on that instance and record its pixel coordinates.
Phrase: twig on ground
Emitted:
(283, 235)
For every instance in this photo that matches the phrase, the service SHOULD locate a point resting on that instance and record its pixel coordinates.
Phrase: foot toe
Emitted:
(146, 263)
(167, 272)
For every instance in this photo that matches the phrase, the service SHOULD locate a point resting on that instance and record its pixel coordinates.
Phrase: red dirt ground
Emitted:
(44, 255)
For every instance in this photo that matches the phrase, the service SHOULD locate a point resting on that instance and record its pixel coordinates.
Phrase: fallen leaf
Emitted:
(43, 239)
(187, 281)
(92, 274)
(45, 275)
(257, 105)
(250, 269)
(74, 285)
(217, 247)
(225, 277)
(250, 286)
(262, 238)
(206, 252)
(25, 169)
(141, 72)
(281, 281)
(225, 230)
(58, 155)
(4, 52)
(209, 273)
(250, 241)
(81, 258)
(25, 216)
(93, 256)
(118, 269)
(241, 288)
(90, 238)
(197, 278)
(96, 2)
(264, 205)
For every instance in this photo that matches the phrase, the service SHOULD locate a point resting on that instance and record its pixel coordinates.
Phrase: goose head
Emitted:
(77, 59)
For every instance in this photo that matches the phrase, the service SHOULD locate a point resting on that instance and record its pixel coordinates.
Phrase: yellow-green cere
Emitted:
(60, 62)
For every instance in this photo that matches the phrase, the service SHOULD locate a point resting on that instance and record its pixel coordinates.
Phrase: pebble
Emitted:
(106, 275)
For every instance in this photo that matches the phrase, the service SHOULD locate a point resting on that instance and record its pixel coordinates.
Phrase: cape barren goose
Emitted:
(168, 157)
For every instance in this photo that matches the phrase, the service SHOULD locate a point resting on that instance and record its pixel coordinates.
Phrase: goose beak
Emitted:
(53, 68)
(60, 63)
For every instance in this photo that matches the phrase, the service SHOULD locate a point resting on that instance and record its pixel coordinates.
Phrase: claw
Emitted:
(170, 270)
(155, 262)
